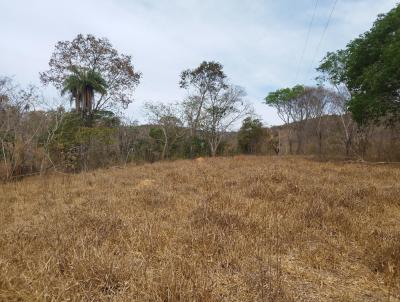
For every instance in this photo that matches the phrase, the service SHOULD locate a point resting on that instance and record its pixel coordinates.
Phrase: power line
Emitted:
(323, 36)
(307, 40)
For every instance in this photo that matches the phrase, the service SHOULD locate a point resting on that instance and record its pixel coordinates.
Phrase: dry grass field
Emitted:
(225, 229)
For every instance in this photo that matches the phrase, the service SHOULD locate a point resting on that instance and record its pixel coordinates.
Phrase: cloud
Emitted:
(259, 42)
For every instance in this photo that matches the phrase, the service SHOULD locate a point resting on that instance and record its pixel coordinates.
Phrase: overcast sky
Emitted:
(259, 42)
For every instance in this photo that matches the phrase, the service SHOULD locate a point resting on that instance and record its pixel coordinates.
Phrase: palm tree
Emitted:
(82, 84)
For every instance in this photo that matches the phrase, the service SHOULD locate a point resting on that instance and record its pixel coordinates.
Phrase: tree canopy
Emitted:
(82, 84)
(96, 55)
(284, 100)
(368, 67)
(250, 135)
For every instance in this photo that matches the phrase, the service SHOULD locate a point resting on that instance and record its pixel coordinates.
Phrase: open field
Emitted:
(225, 229)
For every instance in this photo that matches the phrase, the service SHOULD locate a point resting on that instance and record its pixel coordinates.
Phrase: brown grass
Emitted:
(254, 229)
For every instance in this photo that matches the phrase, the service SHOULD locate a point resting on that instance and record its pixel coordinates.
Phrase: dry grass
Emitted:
(239, 229)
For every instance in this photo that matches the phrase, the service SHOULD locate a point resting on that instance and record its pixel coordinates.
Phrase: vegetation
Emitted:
(250, 136)
(213, 105)
(82, 85)
(96, 56)
(226, 229)
(351, 113)
(371, 72)
(367, 69)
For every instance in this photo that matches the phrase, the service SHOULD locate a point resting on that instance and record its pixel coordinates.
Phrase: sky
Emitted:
(259, 42)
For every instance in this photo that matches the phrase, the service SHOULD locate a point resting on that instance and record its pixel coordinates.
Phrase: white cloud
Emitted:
(258, 41)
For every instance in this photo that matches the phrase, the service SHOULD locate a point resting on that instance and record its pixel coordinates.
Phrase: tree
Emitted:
(202, 83)
(82, 85)
(220, 113)
(372, 72)
(20, 129)
(250, 135)
(333, 72)
(94, 55)
(317, 100)
(287, 102)
(296, 107)
(167, 125)
(332, 69)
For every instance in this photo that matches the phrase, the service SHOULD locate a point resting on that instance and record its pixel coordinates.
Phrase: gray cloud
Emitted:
(258, 41)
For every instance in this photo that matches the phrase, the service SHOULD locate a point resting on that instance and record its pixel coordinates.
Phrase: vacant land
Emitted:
(226, 229)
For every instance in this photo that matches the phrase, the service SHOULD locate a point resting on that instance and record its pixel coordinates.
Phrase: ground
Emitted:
(225, 229)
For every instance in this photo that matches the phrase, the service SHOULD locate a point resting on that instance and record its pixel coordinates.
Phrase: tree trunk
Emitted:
(77, 102)
(299, 148)
(347, 145)
(320, 143)
(213, 150)
(165, 147)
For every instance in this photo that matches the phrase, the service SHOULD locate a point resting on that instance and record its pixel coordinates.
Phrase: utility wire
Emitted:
(323, 36)
(307, 40)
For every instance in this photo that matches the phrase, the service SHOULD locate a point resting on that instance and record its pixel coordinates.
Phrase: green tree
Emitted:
(372, 71)
(82, 84)
(284, 101)
(289, 106)
(250, 135)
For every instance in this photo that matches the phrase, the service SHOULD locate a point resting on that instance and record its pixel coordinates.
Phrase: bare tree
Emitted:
(220, 113)
(169, 126)
(317, 101)
(339, 109)
(19, 128)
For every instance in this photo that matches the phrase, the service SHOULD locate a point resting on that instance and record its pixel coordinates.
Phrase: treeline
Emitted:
(359, 88)
(99, 83)
(34, 141)
(351, 112)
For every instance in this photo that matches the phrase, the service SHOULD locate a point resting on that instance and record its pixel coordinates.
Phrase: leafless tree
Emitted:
(220, 112)
(338, 107)
(19, 127)
(166, 118)
(317, 100)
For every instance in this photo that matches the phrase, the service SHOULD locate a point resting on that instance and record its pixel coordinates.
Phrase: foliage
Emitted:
(82, 84)
(220, 114)
(284, 101)
(368, 69)
(156, 133)
(96, 55)
(372, 72)
(213, 105)
(105, 118)
(168, 127)
(20, 129)
(250, 135)
(209, 77)
(333, 68)
(195, 147)
(73, 139)
(203, 84)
